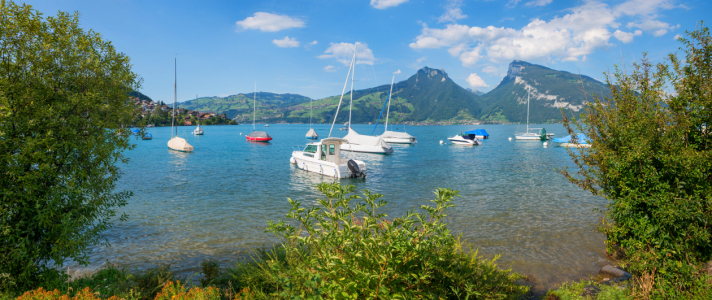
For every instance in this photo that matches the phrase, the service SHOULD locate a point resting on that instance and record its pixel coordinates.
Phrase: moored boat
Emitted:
(465, 139)
(147, 136)
(582, 141)
(324, 158)
(177, 143)
(257, 135)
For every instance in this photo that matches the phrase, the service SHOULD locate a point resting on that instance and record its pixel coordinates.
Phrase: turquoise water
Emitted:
(214, 202)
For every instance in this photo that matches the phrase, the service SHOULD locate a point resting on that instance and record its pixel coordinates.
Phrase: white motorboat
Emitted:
(177, 143)
(395, 137)
(539, 135)
(467, 140)
(324, 158)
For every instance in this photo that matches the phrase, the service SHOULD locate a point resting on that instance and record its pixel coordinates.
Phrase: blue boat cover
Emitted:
(481, 132)
(582, 139)
(135, 130)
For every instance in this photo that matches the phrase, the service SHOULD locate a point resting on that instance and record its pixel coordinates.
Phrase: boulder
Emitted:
(611, 272)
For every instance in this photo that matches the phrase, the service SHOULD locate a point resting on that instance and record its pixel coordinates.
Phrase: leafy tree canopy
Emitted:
(63, 98)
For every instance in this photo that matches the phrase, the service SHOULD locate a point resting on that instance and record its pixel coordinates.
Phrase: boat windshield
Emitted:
(310, 149)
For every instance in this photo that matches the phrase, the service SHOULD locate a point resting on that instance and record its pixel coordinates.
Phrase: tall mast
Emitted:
(196, 105)
(254, 106)
(389, 101)
(528, 90)
(175, 88)
(311, 110)
(342, 94)
(353, 70)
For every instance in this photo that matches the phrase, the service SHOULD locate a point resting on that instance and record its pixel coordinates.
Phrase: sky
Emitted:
(305, 47)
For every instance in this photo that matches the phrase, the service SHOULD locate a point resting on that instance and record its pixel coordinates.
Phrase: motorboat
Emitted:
(147, 136)
(177, 143)
(365, 143)
(533, 134)
(395, 137)
(257, 135)
(465, 139)
(479, 133)
(582, 141)
(324, 158)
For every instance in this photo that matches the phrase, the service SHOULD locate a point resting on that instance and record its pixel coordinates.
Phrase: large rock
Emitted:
(611, 272)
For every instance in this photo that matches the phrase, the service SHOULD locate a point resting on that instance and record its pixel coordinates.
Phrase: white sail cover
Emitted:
(312, 134)
(354, 138)
(179, 144)
(396, 134)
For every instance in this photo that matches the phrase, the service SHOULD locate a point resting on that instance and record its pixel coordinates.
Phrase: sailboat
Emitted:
(394, 137)
(198, 130)
(256, 135)
(362, 143)
(311, 134)
(324, 157)
(177, 143)
(540, 135)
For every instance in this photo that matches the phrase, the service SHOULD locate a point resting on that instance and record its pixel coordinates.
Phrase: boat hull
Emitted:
(399, 140)
(456, 140)
(324, 168)
(366, 149)
(572, 145)
(259, 139)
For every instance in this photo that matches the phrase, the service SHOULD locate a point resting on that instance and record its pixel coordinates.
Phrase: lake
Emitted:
(214, 202)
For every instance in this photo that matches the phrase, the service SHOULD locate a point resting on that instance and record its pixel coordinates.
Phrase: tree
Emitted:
(651, 157)
(63, 98)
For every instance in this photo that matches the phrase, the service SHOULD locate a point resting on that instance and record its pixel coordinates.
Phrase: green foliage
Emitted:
(348, 250)
(177, 291)
(651, 158)
(210, 270)
(574, 290)
(63, 98)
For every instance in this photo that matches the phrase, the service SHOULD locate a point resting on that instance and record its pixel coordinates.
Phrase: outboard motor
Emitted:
(354, 169)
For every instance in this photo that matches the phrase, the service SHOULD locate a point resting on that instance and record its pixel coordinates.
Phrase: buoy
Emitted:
(510, 138)
(441, 142)
(292, 160)
(546, 144)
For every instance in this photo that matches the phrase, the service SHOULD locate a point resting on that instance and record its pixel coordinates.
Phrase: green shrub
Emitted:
(347, 250)
(651, 157)
(211, 271)
(176, 291)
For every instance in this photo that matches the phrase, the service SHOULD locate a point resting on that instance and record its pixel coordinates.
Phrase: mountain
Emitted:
(428, 95)
(551, 90)
(476, 92)
(242, 104)
(139, 95)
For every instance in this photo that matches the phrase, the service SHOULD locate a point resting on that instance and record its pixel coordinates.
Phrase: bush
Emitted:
(176, 291)
(347, 250)
(63, 98)
(651, 158)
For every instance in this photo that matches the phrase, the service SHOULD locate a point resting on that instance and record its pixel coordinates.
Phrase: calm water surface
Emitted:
(214, 202)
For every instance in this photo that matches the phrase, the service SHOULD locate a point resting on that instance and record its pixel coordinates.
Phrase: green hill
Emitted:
(551, 90)
(241, 105)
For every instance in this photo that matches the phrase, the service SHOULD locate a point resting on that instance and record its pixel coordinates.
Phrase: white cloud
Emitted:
(313, 43)
(286, 42)
(330, 68)
(626, 37)
(452, 12)
(538, 3)
(475, 81)
(343, 52)
(570, 37)
(490, 70)
(383, 4)
(420, 60)
(269, 22)
(397, 72)
(657, 27)
(677, 36)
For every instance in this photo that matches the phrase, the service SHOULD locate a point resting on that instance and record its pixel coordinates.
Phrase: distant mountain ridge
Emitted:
(428, 95)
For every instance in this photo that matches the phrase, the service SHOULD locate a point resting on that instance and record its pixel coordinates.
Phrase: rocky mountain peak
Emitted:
(433, 72)
(515, 67)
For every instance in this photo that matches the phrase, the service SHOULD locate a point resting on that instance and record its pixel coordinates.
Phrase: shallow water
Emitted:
(214, 202)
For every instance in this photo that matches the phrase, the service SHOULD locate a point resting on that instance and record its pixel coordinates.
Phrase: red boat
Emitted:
(258, 136)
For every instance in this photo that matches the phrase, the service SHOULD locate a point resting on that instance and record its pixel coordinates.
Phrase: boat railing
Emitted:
(297, 148)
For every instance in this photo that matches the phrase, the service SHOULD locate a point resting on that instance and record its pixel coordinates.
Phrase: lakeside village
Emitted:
(159, 114)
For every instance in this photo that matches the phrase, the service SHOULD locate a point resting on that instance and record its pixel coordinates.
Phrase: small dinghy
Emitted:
(148, 136)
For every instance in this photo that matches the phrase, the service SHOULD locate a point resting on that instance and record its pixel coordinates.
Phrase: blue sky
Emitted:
(303, 47)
